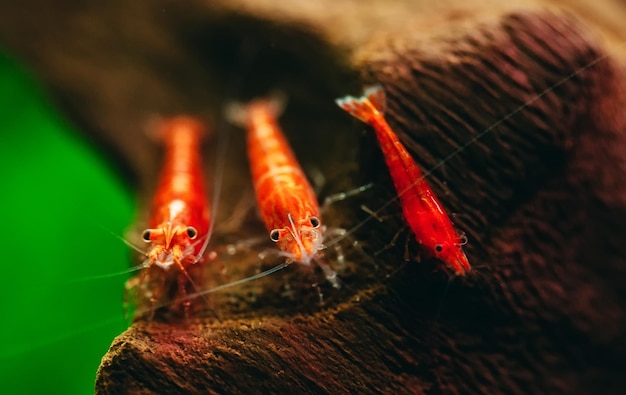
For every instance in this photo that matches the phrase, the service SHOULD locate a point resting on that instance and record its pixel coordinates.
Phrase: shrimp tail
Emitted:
(376, 95)
(366, 107)
(238, 113)
(161, 129)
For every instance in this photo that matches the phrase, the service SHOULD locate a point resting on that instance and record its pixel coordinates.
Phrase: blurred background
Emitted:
(60, 198)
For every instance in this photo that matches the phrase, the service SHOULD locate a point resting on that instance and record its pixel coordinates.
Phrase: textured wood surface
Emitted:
(523, 104)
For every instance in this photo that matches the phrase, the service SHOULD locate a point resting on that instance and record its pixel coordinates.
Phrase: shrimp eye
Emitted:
(146, 235)
(192, 232)
(315, 222)
(275, 235)
(438, 248)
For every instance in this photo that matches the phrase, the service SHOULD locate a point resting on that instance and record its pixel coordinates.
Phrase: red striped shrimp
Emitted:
(286, 200)
(180, 220)
(421, 209)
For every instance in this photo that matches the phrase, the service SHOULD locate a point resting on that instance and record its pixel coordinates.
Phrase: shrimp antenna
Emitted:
(36, 344)
(131, 245)
(133, 269)
(225, 286)
(296, 236)
(203, 239)
(114, 274)
(186, 273)
(244, 280)
(122, 239)
(223, 138)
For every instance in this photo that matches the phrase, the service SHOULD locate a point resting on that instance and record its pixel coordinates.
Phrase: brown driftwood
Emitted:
(539, 190)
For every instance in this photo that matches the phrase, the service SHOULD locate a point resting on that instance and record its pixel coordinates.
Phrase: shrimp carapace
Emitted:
(421, 209)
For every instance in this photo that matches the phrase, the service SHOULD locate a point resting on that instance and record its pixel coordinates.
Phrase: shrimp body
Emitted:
(286, 200)
(180, 211)
(421, 209)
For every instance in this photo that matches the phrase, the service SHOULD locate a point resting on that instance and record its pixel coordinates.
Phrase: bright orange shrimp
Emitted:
(287, 202)
(180, 220)
(421, 208)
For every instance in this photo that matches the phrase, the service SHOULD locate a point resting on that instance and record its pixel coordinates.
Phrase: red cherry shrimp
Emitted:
(179, 228)
(421, 209)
